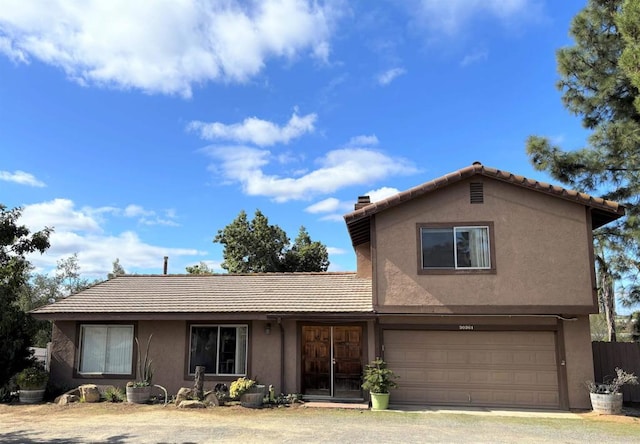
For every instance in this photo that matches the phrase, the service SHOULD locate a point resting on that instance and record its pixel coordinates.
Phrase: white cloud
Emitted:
(475, 57)
(78, 231)
(164, 47)
(256, 131)
(450, 16)
(20, 177)
(328, 205)
(335, 250)
(337, 169)
(136, 210)
(360, 141)
(381, 193)
(389, 76)
(61, 215)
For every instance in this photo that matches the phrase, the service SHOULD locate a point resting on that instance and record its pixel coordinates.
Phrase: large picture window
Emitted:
(455, 247)
(221, 349)
(106, 349)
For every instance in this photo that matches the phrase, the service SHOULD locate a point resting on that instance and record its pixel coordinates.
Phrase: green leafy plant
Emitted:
(378, 378)
(114, 394)
(145, 368)
(614, 385)
(33, 378)
(240, 386)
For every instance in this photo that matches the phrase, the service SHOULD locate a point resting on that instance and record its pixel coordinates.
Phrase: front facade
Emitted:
(475, 288)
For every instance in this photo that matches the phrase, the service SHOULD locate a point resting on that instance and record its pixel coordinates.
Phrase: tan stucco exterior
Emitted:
(541, 243)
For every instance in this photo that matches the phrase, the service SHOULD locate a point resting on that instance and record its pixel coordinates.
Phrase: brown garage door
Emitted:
(478, 368)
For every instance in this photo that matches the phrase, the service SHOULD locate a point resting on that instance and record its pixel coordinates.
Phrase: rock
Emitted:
(66, 399)
(73, 392)
(211, 399)
(183, 394)
(89, 393)
(191, 404)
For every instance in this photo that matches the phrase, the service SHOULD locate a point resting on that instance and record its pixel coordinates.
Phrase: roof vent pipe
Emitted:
(166, 265)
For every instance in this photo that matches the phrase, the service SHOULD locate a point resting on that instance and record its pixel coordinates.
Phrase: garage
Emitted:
(474, 368)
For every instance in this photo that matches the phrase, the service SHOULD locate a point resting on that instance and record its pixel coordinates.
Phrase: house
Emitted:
(475, 287)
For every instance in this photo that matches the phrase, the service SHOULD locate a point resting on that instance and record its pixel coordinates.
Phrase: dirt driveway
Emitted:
(127, 423)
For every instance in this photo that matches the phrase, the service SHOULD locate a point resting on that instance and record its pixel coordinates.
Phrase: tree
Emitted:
(201, 268)
(16, 326)
(116, 269)
(257, 247)
(306, 255)
(628, 21)
(594, 87)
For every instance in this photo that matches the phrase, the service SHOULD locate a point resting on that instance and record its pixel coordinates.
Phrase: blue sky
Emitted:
(139, 130)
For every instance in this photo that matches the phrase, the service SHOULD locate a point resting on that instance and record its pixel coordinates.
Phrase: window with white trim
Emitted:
(106, 349)
(455, 248)
(221, 349)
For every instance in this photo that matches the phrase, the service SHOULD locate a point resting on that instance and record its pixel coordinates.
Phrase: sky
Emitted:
(137, 130)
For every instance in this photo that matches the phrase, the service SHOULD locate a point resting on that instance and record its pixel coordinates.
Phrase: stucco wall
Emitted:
(579, 360)
(169, 353)
(541, 250)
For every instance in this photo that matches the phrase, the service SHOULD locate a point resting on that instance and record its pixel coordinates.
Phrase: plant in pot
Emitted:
(606, 397)
(32, 382)
(247, 391)
(139, 392)
(379, 380)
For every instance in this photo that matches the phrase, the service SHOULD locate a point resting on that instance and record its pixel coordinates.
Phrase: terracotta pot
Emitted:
(139, 395)
(31, 396)
(606, 403)
(379, 401)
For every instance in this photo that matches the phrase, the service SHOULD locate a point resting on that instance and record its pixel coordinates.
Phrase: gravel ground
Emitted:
(126, 423)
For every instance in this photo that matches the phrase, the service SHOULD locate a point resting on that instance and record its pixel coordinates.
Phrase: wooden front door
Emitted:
(332, 361)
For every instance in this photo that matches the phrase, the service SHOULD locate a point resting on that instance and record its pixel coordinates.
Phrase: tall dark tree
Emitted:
(594, 87)
(257, 247)
(306, 255)
(628, 20)
(16, 327)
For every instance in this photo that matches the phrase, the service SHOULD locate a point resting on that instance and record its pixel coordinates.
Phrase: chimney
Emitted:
(166, 265)
(363, 201)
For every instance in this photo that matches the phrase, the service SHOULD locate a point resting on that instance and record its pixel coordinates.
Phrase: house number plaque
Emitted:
(465, 327)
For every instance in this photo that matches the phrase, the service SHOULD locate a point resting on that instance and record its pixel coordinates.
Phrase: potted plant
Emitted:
(379, 380)
(139, 392)
(247, 391)
(32, 382)
(606, 397)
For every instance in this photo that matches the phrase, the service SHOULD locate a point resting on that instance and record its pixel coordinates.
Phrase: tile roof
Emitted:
(220, 293)
(604, 211)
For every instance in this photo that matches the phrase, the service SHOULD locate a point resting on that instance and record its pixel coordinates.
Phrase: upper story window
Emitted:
(221, 349)
(446, 248)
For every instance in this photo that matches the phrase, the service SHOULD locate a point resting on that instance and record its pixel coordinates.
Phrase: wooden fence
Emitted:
(625, 355)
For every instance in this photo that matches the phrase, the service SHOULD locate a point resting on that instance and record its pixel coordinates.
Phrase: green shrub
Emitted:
(33, 378)
(114, 394)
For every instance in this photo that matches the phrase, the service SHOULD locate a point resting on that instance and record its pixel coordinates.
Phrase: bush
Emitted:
(32, 378)
(114, 394)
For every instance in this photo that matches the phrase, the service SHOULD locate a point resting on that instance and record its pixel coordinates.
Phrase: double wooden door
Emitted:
(332, 361)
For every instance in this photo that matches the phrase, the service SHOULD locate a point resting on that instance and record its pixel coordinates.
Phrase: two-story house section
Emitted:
(482, 284)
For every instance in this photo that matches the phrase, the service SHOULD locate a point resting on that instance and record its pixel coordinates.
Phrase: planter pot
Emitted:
(379, 401)
(31, 396)
(138, 395)
(251, 400)
(606, 403)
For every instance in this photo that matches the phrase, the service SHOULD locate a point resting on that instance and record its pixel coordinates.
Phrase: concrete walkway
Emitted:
(479, 411)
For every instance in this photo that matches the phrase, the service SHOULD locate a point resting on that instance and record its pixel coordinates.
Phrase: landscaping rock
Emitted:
(89, 393)
(66, 399)
(73, 392)
(183, 394)
(191, 404)
(211, 399)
